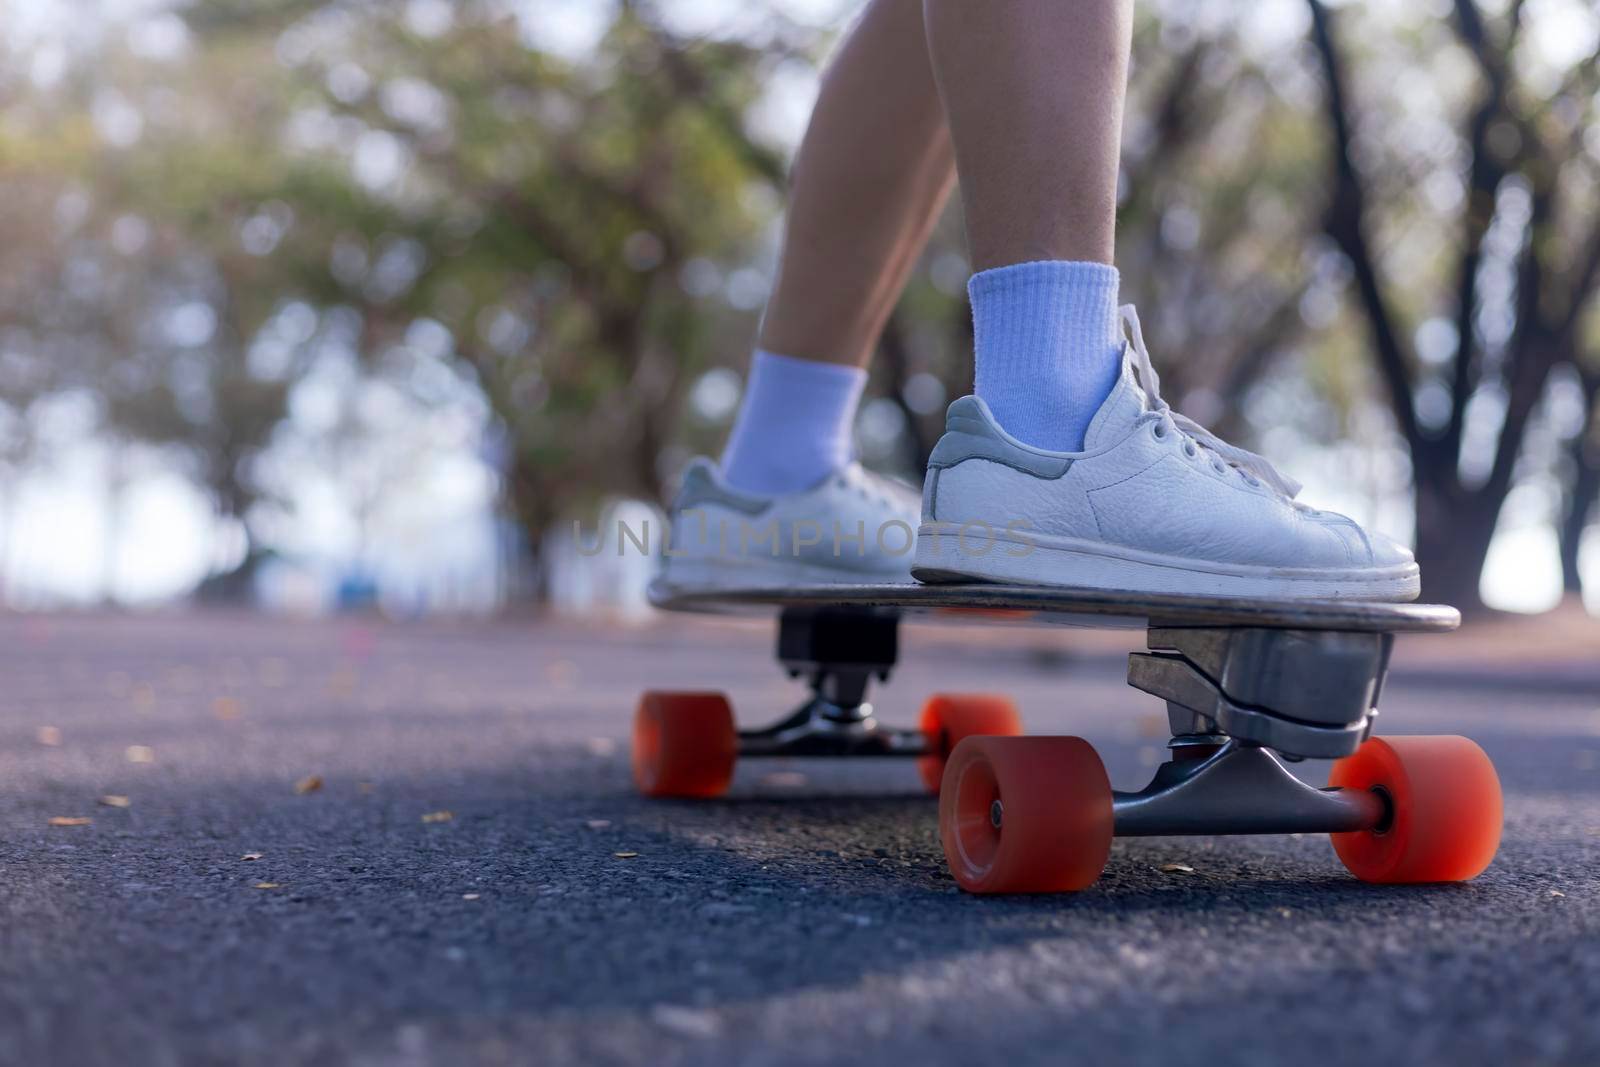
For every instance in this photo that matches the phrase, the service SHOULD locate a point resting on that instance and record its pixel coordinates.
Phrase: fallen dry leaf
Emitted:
(562, 673)
(625, 855)
(784, 780)
(266, 885)
(1176, 868)
(111, 800)
(687, 1022)
(438, 816)
(70, 820)
(309, 784)
(48, 735)
(141, 754)
(250, 857)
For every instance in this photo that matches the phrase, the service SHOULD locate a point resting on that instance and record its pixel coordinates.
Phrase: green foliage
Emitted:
(587, 229)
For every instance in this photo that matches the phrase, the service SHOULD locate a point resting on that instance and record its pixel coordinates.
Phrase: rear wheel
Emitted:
(684, 744)
(1444, 810)
(1025, 814)
(947, 718)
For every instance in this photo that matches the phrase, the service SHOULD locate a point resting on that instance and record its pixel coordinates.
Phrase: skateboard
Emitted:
(1249, 686)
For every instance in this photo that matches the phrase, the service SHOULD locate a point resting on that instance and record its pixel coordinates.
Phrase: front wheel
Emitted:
(1025, 814)
(1445, 810)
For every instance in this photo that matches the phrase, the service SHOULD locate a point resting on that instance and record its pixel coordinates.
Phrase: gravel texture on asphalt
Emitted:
(394, 844)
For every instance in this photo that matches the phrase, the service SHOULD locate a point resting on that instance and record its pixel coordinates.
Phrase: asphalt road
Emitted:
(474, 879)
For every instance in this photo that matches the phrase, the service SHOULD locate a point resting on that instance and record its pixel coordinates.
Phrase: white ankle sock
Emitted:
(794, 426)
(1048, 347)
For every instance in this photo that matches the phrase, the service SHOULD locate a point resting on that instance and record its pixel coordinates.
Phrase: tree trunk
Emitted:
(233, 587)
(1453, 535)
(1580, 502)
(921, 433)
(527, 498)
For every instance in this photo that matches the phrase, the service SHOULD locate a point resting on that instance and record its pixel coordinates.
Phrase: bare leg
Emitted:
(871, 176)
(1034, 92)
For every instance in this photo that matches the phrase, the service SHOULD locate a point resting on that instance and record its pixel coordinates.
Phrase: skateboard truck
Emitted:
(1305, 693)
(1234, 693)
(1239, 788)
(687, 744)
(838, 653)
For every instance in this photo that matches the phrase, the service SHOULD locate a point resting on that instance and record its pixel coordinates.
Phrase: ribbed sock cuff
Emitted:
(1047, 338)
(794, 426)
(1049, 299)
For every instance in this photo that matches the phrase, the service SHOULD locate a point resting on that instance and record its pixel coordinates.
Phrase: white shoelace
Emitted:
(1254, 466)
(870, 484)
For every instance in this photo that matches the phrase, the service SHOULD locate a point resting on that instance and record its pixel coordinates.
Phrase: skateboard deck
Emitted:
(1074, 607)
(1248, 686)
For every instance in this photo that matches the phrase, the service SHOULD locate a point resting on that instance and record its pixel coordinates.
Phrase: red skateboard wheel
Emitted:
(684, 744)
(1025, 814)
(947, 718)
(1444, 803)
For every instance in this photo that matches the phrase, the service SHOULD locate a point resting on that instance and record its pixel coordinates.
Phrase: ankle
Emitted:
(794, 426)
(1047, 342)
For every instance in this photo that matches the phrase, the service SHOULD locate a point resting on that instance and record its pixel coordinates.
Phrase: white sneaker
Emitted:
(1154, 503)
(853, 526)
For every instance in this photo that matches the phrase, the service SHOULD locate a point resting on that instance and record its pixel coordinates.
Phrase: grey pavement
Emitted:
(474, 879)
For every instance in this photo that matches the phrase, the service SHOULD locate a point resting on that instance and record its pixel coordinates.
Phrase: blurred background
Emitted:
(341, 305)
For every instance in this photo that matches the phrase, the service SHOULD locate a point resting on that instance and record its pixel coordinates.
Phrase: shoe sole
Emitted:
(1037, 559)
(688, 575)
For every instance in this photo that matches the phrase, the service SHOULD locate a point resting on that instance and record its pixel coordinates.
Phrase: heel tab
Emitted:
(700, 484)
(697, 474)
(969, 414)
(971, 432)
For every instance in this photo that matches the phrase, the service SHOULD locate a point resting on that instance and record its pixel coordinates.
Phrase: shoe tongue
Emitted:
(1117, 411)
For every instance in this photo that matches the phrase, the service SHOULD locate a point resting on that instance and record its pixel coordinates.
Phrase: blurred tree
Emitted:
(137, 283)
(1584, 489)
(1503, 276)
(584, 234)
(30, 264)
(575, 228)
